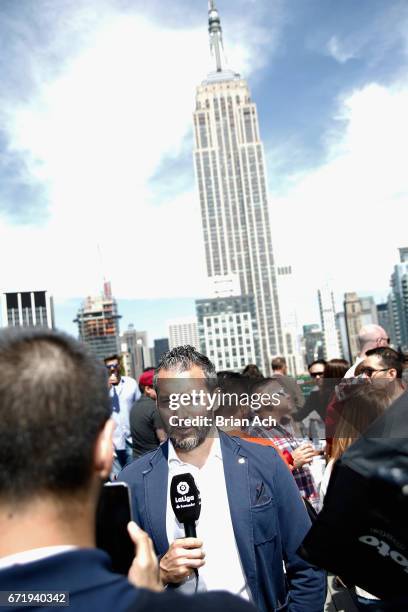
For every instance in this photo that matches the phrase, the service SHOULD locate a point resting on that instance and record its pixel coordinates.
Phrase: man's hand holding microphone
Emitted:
(185, 555)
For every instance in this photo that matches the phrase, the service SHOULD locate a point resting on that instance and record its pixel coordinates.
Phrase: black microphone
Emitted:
(186, 502)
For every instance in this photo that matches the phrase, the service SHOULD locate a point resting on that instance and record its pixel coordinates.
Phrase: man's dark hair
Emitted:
(233, 386)
(389, 358)
(183, 358)
(228, 374)
(111, 358)
(54, 402)
(252, 371)
(321, 361)
(278, 363)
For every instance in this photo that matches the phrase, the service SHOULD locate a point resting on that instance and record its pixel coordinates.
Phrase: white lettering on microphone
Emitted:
(184, 499)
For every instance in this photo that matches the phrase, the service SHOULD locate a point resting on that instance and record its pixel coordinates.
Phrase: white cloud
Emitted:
(345, 219)
(338, 51)
(97, 134)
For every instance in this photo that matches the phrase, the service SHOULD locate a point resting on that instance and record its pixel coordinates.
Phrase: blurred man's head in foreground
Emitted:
(55, 435)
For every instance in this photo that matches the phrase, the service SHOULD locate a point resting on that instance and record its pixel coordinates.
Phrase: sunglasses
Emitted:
(112, 367)
(315, 374)
(368, 371)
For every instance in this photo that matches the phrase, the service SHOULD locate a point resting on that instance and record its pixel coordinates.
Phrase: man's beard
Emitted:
(190, 442)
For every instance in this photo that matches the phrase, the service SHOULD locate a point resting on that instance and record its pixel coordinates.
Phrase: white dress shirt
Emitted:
(128, 393)
(35, 554)
(223, 568)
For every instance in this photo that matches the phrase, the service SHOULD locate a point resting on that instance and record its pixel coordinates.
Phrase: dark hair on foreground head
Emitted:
(53, 404)
(389, 358)
(183, 358)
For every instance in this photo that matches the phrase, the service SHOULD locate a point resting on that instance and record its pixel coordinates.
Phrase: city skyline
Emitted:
(331, 92)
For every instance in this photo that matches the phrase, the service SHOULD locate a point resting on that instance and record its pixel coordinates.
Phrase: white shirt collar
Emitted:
(118, 386)
(214, 452)
(35, 554)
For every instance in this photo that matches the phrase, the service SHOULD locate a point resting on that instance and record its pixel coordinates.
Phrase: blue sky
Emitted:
(96, 174)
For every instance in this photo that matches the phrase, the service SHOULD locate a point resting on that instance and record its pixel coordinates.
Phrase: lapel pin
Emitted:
(241, 460)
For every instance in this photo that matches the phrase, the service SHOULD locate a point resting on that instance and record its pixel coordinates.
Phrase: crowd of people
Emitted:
(260, 452)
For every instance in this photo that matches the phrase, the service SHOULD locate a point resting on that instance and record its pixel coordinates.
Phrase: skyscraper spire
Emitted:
(231, 177)
(215, 30)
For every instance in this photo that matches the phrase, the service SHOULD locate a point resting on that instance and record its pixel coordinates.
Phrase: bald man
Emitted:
(369, 337)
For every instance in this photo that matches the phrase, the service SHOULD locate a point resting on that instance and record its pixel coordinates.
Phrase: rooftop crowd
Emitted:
(263, 471)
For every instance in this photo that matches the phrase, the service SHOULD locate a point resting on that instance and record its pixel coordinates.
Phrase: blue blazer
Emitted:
(268, 516)
(86, 574)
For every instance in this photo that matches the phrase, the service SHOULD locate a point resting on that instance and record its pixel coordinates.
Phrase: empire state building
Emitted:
(231, 177)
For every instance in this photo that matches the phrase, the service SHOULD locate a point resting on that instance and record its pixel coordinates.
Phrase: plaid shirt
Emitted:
(287, 443)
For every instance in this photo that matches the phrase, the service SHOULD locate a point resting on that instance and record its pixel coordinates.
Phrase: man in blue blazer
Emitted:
(55, 452)
(252, 517)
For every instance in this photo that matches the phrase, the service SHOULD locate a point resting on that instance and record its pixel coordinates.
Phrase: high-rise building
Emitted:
(399, 300)
(183, 331)
(289, 320)
(331, 344)
(231, 178)
(384, 316)
(98, 324)
(312, 343)
(353, 318)
(161, 346)
(369, 314)
(224, 286)
(27, 309)
(127, 361)
(135, 351)
(227, 330)
(342, 335)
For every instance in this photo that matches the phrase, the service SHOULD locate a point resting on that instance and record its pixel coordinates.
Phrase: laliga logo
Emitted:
(183, 488)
